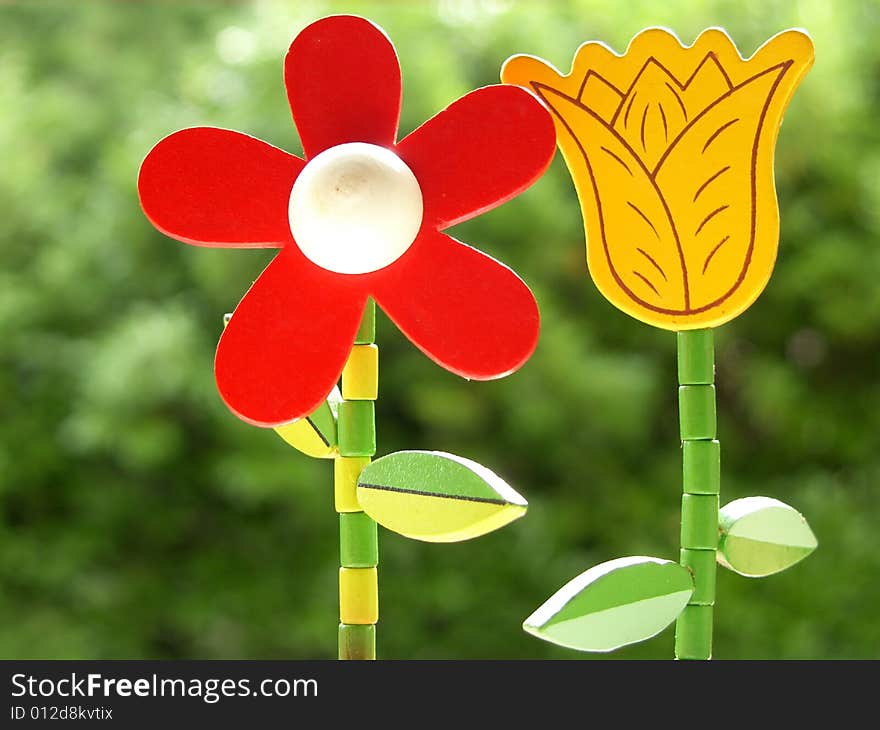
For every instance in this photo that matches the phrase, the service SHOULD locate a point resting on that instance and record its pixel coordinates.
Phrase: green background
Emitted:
(140, 519)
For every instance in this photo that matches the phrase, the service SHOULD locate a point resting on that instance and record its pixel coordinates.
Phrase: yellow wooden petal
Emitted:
(652, 113)
(633, 250)
(709, 179)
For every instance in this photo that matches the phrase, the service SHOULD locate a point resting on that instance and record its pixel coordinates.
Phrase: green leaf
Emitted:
(613, 604)
(315, 435)
(761, 536)
(436, 497)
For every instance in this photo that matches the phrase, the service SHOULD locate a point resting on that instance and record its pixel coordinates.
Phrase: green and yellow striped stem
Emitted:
(701, 477)
(358, 537)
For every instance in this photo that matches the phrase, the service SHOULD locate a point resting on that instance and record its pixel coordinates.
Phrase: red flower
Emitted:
(286, 344)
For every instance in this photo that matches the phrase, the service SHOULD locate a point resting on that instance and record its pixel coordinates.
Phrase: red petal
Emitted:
(466, 311)
(216, 187)
(343, 84)
(287, 341)
(479, 152)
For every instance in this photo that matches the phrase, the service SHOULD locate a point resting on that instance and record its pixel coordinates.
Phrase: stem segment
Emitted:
(358, 538)
(701, 472)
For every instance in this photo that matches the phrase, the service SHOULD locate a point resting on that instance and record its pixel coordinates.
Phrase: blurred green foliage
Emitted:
(140, 519)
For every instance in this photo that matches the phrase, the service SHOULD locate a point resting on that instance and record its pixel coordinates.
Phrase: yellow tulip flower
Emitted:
(671, 152)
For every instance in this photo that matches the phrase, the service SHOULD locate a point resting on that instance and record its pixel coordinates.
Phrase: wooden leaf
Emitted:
(436, 497)
(619, 602)
(761, 536)
(315, 435)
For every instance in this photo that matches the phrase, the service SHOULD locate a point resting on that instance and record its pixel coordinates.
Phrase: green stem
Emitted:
(358, 537)
(700, 489)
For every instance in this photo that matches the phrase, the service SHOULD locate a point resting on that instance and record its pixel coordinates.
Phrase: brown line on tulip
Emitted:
(601, 78)
(678, 99)
(710, 55)
(706, 184)
(619, 159)
(717, 132)
(718, 64)
(629, 106)
(655, 264)
(643, 278)
(708, 218)
(714, 250)
(644, 117)
(663, 117)
(584, 83)
(644, 217)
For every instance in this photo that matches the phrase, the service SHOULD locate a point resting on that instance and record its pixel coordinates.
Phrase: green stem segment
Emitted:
(701, 472)
(358, 536)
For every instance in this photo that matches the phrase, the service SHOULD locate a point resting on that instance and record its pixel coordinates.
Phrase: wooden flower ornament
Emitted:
(361, 216)
(359, 221)
(671, 151)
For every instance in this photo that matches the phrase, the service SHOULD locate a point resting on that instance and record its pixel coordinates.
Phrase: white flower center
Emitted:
(355, 208)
